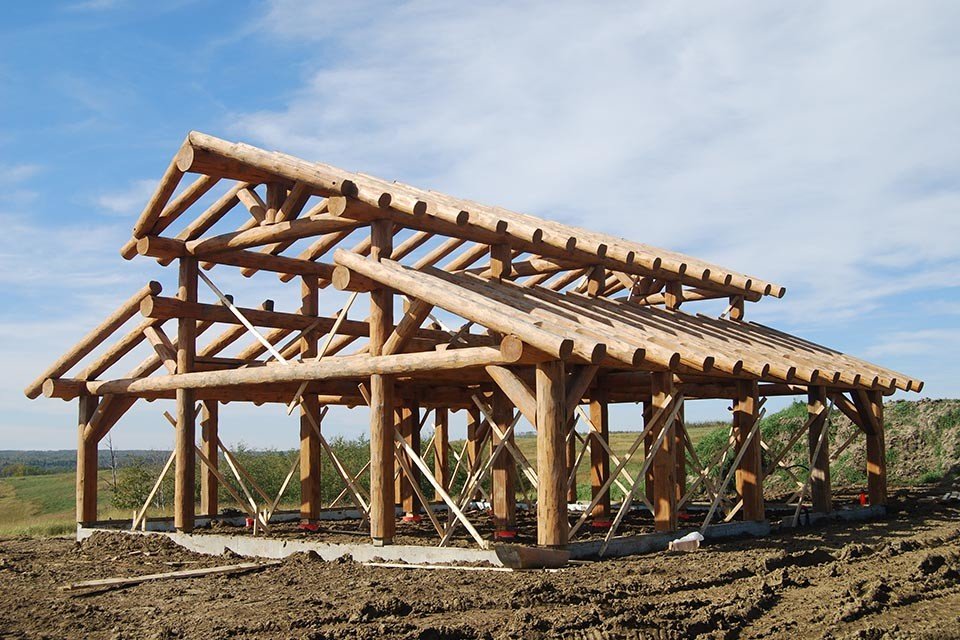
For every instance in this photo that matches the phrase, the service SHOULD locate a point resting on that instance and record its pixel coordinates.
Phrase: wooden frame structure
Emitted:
(552, 317)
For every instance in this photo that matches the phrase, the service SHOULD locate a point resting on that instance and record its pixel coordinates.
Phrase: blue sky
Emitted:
(813, 144)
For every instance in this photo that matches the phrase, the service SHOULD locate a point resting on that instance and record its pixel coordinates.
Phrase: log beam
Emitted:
(504, 475)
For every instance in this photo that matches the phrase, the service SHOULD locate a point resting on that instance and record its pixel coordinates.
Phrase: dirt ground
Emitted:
(896, 578)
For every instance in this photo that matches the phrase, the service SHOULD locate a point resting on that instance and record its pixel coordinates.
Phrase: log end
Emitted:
(384, 200)
(571, 243)
(336, 205)
(511, 348)
(708, 363)
(779, 292)
(674, 361)
(129, 249)
(657, 263)
(146, 306)
(344, 279)
(154, 288)
(185, 156)
(566, 349)
(639, 356)
(598, 353)
(463, 217)
(765, 370)
(537, 237)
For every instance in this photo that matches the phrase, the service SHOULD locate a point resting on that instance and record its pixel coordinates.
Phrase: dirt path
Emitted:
(897, 578)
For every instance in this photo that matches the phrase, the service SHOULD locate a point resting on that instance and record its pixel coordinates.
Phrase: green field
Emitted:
(44, 504)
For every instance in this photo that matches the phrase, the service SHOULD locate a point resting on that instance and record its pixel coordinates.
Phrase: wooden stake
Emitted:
(552, 525)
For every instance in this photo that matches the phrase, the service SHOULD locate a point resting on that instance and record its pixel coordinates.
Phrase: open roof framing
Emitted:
(549, 311)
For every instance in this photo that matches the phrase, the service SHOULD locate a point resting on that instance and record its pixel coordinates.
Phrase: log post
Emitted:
(184, 508)
(552, 525)
(209, 438)
(310, 464)
(876, 452)
(599, 458)
(596, 280)
(736, 307)
(441, 450)
(680, 451)
(819, 468)
(474, 437)
(410, 430)
(664, 458)
(749, 472)
(673, 294)
(570, 447)
(500, 260)
(382, 515)
(648, 441)
(87, 463)
(504, 476)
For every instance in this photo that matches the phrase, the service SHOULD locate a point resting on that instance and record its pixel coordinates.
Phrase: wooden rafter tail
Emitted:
(89, 342)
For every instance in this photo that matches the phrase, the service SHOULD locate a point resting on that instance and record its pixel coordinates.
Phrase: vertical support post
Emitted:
(680, 451)
(310, 457)
(819, 468)
(500, 260)
(736, 307)
(749, 473)
(209, 437)
(876, 452)
(599, 458)
(648, 440)
(410, 430)
(184, 507)
(382, 514)
(552, 525)
(87, 462)
(664, 459)
(504, 475)
(441, 450)
(673, 294)
(596, 280)
(474, 436)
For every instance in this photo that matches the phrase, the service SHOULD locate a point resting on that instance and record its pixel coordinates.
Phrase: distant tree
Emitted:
(134, 482)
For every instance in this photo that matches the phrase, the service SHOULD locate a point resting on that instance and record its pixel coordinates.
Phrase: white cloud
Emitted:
(17, 173)
(813, 145)
(129, 201)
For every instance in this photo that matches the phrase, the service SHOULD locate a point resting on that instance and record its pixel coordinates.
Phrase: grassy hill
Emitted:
(923, 446)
